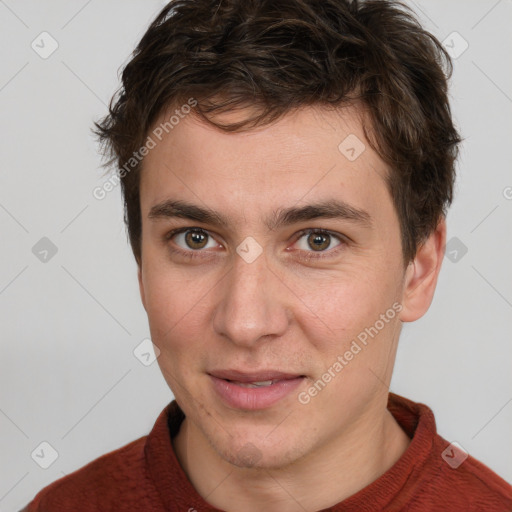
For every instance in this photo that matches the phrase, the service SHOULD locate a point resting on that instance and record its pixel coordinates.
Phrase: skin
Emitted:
(282, 311)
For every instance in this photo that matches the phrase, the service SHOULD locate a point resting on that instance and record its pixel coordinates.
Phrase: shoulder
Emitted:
(460, 479)
(439, 475)
(102, 484)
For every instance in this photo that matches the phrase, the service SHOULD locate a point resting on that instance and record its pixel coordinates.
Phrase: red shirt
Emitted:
(145, 476)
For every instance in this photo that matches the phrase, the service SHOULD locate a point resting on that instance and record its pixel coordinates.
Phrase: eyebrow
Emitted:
(329, 209)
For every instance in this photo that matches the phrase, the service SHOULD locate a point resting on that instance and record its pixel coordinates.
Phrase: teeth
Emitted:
(263, 383)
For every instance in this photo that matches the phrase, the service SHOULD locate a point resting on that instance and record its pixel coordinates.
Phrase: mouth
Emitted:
(253, 390)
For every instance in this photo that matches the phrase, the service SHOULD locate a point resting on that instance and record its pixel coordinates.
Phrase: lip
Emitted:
(225, 384)
(262, 375)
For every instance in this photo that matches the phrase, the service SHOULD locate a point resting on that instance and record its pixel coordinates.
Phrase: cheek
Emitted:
(176, 307)
(336, 311)
(176, 315)
(340, 304)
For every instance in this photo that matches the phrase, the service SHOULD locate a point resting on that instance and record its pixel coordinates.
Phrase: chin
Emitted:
(252, 453)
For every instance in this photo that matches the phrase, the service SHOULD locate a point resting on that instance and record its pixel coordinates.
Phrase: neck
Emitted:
(336, 470)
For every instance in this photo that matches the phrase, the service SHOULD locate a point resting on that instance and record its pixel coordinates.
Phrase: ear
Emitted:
(421, 275)
(141, 285)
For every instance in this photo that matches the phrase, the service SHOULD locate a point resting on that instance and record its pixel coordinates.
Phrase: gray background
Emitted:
(70, 321)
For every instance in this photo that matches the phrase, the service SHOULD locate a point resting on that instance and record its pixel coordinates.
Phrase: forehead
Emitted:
(306, 155)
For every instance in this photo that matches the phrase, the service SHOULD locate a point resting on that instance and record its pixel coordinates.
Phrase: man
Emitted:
(286, 166)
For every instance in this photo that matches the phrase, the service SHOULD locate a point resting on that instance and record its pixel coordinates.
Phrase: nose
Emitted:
(253, 304)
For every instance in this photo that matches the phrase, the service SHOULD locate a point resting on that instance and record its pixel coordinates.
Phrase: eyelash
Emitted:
(311, 255)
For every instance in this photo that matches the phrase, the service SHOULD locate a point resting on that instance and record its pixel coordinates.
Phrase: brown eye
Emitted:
(196, 239)
(319, 241)
(192, 239)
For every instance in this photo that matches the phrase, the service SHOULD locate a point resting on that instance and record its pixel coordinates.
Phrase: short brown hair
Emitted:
(278, 55)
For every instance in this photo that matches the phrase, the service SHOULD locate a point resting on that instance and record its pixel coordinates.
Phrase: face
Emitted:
(271, 256)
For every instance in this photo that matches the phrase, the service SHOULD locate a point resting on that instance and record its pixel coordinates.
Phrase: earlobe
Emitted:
(421, 275)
